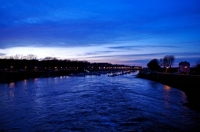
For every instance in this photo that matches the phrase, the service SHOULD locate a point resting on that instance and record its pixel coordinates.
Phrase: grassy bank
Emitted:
(190, 84)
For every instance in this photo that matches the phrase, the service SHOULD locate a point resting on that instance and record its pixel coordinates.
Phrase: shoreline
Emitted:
(14, 76)
(8, 77)
(190, 84)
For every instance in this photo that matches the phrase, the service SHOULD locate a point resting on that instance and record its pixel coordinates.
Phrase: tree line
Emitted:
(164, 64)
(31, 63)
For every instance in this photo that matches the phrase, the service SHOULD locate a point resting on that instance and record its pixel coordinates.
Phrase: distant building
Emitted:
(184, 67)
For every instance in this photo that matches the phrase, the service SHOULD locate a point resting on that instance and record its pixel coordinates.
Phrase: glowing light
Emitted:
(11, 85)
(167, 88)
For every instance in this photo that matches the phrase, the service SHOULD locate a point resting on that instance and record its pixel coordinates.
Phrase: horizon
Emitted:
(117, 32)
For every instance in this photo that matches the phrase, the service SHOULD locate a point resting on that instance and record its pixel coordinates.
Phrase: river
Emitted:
(94, 103)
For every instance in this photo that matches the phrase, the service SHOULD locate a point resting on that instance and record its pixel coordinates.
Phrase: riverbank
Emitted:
(14, 76)
(7, 77)
(190, 84)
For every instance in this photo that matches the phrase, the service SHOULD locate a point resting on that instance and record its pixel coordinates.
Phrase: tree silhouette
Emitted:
(31, 57)
(153, 65)
(17, 57)
(167, 61)
(197, 67)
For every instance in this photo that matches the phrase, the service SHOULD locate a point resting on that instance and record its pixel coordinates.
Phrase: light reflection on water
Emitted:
(94, 103)
(11, 85)
(167, 88)
(11, 90)
(12, 95)
(35, 80)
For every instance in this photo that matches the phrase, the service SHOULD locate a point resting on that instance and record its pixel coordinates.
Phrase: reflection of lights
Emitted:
(12, 95)
(167, 88)
(11, 85)
(55, 80)
(183, 95)
(35, 79)
(25, 84)
(167, 95)
(24, 80)
(185, 67)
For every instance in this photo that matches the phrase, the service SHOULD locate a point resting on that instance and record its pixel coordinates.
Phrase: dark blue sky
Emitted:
(116, 31)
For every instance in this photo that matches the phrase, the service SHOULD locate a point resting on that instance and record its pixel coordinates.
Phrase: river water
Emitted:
(94, 103)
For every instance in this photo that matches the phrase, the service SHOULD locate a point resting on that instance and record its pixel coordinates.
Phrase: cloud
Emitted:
(93, 22)
(143, 59)
(2, 54)
(147, 28)
(96, 53)
(197, 54)
(141, 46)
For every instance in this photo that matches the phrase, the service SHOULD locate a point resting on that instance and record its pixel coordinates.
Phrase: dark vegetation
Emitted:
(198, 69)
(162, 65)
(19, 67)
(188, 83)
(153, 65)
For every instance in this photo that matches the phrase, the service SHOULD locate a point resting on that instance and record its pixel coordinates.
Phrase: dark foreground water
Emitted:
(94, 103)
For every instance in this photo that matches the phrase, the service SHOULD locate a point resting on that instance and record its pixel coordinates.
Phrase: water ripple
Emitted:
(100, 103)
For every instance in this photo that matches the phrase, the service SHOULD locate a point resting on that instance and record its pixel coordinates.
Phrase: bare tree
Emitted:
(161, 62)
(50, 58)
(31, 57)
(172, 59)
(11, 57)
(54, 58)
(167, 61)
(18, 57)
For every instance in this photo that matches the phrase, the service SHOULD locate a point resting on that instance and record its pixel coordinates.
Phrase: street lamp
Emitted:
(166, 69)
